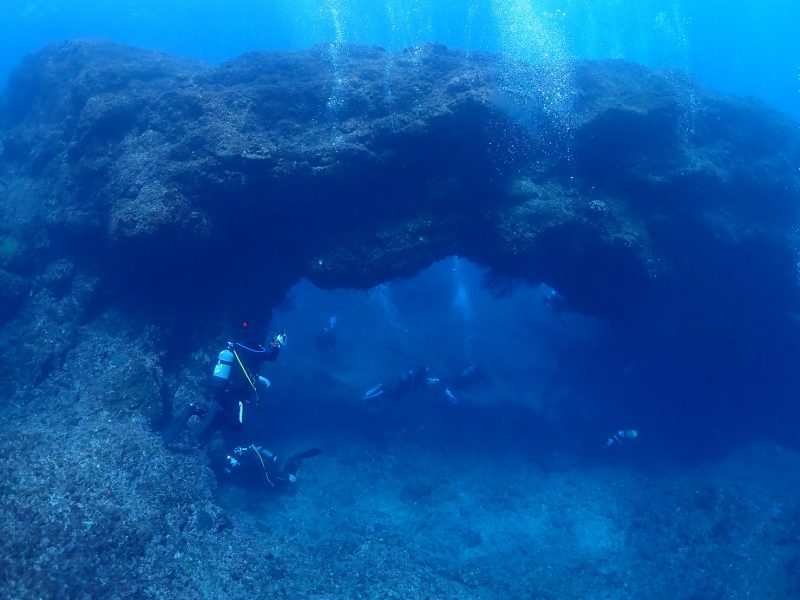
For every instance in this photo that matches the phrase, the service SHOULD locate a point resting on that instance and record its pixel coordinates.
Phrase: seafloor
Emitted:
(407, 520)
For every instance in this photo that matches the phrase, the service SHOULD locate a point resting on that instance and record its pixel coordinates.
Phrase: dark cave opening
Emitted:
(557, 381)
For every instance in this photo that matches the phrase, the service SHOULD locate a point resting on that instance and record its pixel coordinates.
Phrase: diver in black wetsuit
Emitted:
(254, 464)
(235, 381)
(418, 379)
(410, 381)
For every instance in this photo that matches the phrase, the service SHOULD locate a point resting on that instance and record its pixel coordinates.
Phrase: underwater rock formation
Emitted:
(140, 192)
(643, 198)
(357, 167)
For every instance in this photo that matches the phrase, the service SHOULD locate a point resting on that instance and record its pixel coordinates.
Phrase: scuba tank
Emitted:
(222, 370)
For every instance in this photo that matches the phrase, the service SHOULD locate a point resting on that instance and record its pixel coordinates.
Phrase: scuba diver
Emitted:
(554, 301)
(256, 465)
(421, 378)
(410, 381)
(235, 380)
(623, 436)
(326, 338)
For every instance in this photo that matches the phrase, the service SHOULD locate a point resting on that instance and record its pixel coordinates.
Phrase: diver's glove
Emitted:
(279, 339)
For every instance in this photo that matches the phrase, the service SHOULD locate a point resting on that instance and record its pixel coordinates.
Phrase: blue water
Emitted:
(741, 47)
(446, 318)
